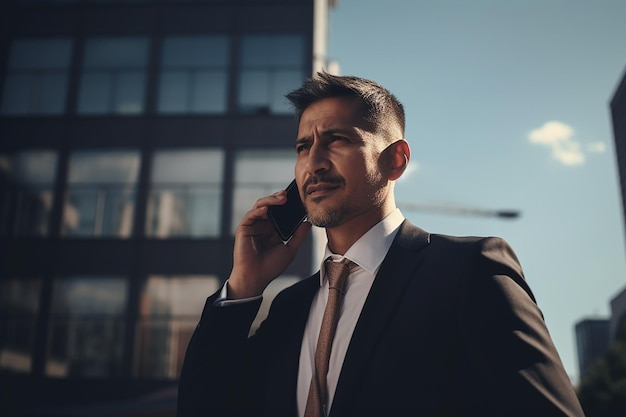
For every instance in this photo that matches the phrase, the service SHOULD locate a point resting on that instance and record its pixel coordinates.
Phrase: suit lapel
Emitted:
(284, 373)
(388, 288)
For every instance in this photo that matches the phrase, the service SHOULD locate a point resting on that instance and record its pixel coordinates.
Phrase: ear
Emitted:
(399, 155)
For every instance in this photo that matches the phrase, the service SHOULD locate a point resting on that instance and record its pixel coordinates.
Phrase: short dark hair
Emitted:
(379, 106)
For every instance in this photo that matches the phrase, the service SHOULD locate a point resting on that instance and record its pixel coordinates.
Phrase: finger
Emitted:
(275, 199)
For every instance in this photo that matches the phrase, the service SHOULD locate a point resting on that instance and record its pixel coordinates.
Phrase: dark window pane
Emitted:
(116, 53)
(129, 92)
(273, 51)
(209, 92)
(104, 167)
(256, 51)
(283, 81)
(194, 77)
(114, 76)
(170, 308)
(19, 304)
(173, 92)
(26, 180)
(271, 66)
(95, 93)
(101, 194)
(86, 327)
(195, 52)
(40, 54)
(288, 51)
(51, 94)
(254, 91)
(18, 89)
(276, 165)
(36, 80)
(185, 196)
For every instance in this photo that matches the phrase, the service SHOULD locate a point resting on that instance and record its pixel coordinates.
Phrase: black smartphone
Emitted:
(287, 217)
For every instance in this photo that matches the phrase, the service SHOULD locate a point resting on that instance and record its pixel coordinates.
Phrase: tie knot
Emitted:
(338, 273)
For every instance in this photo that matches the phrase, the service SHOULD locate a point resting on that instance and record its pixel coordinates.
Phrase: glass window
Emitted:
(101, 191)
(194, 75)
(170, 308)
(26, 192)
(271, 66)
(113, 77)
(37, 77)
(186, 193)
(19, 305)
(259, 173)
(87, 327)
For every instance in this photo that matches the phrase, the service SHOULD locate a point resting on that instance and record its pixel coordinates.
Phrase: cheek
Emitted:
(299, 174)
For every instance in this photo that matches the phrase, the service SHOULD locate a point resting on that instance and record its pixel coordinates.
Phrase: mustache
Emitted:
(325, 179)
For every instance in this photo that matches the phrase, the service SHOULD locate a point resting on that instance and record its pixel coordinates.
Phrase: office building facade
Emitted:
(592, 342)
(618, 116)
(133, 137)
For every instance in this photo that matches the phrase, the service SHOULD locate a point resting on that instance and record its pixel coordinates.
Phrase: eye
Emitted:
(336, 138)
(302, 147)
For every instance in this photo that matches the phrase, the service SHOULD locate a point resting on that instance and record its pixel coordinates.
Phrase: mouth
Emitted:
(320, 189)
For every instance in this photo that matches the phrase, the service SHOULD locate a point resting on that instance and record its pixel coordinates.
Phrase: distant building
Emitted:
(134, 134)
(618, 316)
(618, 115)
(594, 336)
(592, 342)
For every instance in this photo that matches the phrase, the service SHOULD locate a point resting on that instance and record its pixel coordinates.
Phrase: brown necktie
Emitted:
(337, 273)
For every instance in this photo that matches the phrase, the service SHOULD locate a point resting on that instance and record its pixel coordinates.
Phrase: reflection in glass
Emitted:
(194, 75)
(100, 199)
(26, 190)
(87, 327)
(185, 194)
(37, 77)
(271, 66)
(128, 92)
(259, 173)
(113, 76)
(19, 305)
(170, 308)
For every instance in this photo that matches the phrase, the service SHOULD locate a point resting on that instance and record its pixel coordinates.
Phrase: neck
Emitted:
(342, 237)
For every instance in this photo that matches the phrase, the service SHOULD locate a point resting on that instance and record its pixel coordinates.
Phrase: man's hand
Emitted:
(259, 255)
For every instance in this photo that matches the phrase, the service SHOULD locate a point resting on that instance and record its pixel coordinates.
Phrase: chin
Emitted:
(327, 218)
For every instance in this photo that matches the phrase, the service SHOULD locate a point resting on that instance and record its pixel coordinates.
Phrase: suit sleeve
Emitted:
(507, 341)
(215, 374)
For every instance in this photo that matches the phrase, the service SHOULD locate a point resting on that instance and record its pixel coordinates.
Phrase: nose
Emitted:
(317, 159)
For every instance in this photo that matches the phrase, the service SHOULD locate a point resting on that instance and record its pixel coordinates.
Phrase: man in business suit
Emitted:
(430, 325)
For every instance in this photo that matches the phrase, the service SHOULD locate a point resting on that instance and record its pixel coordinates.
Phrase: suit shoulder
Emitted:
(467, 241)
(488, 248)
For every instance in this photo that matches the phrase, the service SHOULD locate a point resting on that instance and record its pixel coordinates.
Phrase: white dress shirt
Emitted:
(367, 253)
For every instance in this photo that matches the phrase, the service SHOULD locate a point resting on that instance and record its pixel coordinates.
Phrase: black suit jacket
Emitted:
(449, 328)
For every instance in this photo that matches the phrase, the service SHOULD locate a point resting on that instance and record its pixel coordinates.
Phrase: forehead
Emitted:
(332, 113)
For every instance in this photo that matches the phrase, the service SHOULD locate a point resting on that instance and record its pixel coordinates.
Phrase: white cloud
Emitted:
(551, 133)
(559, 138)
(568, 153)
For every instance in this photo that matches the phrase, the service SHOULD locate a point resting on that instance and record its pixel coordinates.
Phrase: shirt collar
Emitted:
(369, 251)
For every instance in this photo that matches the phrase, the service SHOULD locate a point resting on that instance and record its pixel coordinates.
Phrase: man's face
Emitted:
(338, 168)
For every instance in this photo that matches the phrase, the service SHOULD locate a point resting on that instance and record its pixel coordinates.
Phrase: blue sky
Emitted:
(508, 108)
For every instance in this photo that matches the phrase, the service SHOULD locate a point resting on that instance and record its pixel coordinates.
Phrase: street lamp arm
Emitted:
(459, 210)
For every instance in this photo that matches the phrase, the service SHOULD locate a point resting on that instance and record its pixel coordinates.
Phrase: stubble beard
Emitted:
(331, 217)
(349, 208)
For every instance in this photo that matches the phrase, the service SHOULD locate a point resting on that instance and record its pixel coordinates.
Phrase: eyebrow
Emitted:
(327, 132)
